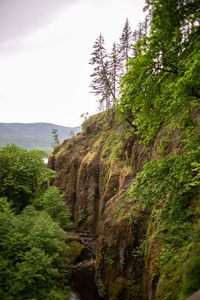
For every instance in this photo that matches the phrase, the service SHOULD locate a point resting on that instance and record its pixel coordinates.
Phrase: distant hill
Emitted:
(34, 135)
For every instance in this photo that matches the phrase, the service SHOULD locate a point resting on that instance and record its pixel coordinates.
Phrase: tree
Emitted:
(162, 82)
(55, 137)
(115, 70)
(33, 255)
(22, 174)
(174, 26)
(101, 85)
(51, 201)
(125, 42)
(33, 250)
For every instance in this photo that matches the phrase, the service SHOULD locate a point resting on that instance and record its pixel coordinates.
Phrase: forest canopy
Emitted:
(33, 249)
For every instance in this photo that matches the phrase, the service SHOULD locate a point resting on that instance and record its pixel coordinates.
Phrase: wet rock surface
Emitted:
(82, 279)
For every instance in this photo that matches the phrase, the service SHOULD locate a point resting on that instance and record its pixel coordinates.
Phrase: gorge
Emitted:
(145, 215)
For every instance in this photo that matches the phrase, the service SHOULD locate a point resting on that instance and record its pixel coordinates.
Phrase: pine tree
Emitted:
(101, 85)
(55, 137)
(134, 50)
(125, 42)
(140, 31)
(146, 25)
(115, 70)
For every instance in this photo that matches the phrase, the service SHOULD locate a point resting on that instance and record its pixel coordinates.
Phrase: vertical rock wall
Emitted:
(95, 170)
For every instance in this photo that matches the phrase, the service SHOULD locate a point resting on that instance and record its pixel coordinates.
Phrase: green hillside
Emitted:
(34, 135)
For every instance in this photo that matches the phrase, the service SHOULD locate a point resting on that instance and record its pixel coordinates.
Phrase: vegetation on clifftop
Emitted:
(161, 83)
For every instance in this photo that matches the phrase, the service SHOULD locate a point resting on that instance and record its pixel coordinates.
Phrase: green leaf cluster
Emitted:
(167, 190)
(168, 182)
(162, 84)
(51, 201)
(33, 255)
(33, 251)
(22, 174)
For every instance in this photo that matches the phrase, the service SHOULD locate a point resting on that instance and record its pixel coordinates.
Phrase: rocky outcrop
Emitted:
(95, 170)
(92, 168)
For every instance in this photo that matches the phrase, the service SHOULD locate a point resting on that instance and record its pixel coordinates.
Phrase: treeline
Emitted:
(33, 216)
(161, 80)
(110, 67)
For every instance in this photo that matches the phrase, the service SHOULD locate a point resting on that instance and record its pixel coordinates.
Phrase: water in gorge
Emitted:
(82, 279)
(82, 282)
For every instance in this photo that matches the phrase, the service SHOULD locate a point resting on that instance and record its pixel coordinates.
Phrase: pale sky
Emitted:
(45, 47)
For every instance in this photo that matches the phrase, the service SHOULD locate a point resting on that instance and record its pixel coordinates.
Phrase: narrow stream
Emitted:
(74, 296)
(82, 282)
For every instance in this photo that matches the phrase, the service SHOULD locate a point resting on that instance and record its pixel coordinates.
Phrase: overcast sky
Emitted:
(45, 47)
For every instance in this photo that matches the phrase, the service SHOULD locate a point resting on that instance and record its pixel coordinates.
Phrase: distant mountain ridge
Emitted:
(35, 136)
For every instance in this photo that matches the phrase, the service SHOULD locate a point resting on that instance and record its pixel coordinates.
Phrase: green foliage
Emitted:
(167, 188)
(165, 255)
(172, 179)
(164, 143)
(193, 274)
(115, 71)
(109, 261)
(56, 149)
(116, 151)
(22, 174)
(163, 81)
(85, 126)
(125, 42)
(33, 250)
(102, 289)
(69, 147)
(32, 255)
(179, 267)
(55, 137)
(109, 67)
(82, 218)
(52, 202)
(138, 251)
(192, 264)
(101, 84)
(85, 121)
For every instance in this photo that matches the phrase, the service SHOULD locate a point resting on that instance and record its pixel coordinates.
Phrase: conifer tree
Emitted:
(115, 70)
(134, 51)
(55, 136)
(100, 85)
(140, 31)
(125, 42)
(146, 25)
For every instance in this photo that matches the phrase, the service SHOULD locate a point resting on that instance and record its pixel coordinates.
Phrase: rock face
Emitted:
(95, 170)
(92, 168)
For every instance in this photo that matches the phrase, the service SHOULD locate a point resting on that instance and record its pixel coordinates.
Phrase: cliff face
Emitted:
(93, 167)
(95, 170)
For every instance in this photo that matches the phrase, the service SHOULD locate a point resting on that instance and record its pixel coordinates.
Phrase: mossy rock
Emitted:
(72, 238)
(76, 250)
(124, 289)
